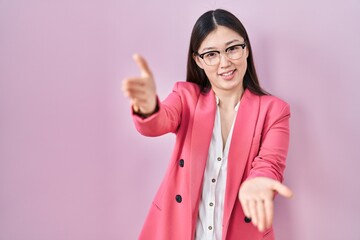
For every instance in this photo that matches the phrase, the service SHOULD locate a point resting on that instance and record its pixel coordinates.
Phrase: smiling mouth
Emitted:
(229, 73)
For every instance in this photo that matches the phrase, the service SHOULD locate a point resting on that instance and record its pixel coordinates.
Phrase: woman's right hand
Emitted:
(141, 90)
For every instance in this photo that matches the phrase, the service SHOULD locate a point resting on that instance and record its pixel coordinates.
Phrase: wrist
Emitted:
(145, 115)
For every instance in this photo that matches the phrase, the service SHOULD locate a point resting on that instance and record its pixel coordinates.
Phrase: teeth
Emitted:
(227, 74)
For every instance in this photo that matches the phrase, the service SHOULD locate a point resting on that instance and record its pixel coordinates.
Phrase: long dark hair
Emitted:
(205, 25)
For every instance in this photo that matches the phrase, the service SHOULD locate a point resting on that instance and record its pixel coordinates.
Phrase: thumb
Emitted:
(143, 66)
(282, 190)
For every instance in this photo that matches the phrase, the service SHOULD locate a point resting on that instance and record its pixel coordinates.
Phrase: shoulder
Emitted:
(275, 106)
(187, 91)
(271, 103)
(187, 87)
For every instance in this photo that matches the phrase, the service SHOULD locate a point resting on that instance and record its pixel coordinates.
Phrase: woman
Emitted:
(231, 139)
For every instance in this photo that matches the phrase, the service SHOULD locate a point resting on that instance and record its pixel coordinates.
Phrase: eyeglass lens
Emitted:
(213, 58)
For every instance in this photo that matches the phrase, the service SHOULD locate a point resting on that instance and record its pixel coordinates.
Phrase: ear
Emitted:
(246, 52)
(198, 61)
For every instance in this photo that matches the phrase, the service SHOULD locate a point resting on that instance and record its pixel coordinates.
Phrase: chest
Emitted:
(226, 121)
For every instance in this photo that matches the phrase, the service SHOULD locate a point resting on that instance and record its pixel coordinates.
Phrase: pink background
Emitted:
(72, 165)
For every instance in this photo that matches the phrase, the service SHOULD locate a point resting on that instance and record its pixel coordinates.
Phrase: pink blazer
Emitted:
(258, 148)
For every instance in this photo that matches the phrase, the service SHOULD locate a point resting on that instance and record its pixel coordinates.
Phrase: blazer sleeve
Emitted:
(271, 159)
(166, 119)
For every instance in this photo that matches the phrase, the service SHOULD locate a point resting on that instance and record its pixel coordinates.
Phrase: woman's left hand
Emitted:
(256, 196)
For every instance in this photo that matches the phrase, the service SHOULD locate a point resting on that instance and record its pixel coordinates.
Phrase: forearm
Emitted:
(165, 119)
(271, 159)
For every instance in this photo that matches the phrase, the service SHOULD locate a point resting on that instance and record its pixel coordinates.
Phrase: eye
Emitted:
(233, 49)
(210, 55)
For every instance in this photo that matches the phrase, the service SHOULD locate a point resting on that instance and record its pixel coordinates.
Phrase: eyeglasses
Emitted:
(212, 58)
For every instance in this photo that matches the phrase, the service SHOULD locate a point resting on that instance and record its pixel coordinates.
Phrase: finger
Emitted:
(261, 215)
(135, 105)
(134, 90)
(136, 108)
(282, 190)
(142, 102)
(133, 82)
(253, 212)
(145, 102)
(269, 212)
(143, 66)
(140, 97)
(245, 207)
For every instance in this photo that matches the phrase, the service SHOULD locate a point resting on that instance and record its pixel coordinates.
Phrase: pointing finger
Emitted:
(143, 66)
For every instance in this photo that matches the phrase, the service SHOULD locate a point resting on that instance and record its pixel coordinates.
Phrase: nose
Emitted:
(224, 61)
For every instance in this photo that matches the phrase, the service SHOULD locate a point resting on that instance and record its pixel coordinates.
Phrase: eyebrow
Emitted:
(226, 44)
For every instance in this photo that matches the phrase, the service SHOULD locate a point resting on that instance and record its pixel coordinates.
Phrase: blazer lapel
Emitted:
(200, 140)
(241, 141)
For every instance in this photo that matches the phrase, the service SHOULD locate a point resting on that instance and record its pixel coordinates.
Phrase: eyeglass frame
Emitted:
(242, 45)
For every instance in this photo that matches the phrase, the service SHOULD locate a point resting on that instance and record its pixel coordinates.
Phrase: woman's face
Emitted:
(226, 76)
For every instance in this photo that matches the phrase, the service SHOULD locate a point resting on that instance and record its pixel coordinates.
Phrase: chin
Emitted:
(233, 84)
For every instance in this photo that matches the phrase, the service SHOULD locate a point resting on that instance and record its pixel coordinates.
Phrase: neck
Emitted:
(229, 101)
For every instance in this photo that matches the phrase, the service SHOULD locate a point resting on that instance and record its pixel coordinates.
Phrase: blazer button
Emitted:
(178, 198)
(181, 162)
(247, 220)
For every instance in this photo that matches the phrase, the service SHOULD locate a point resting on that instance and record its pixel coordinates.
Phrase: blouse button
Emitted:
(219, 158)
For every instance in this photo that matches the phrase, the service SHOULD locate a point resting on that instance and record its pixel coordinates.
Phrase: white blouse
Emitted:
(211, 208)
